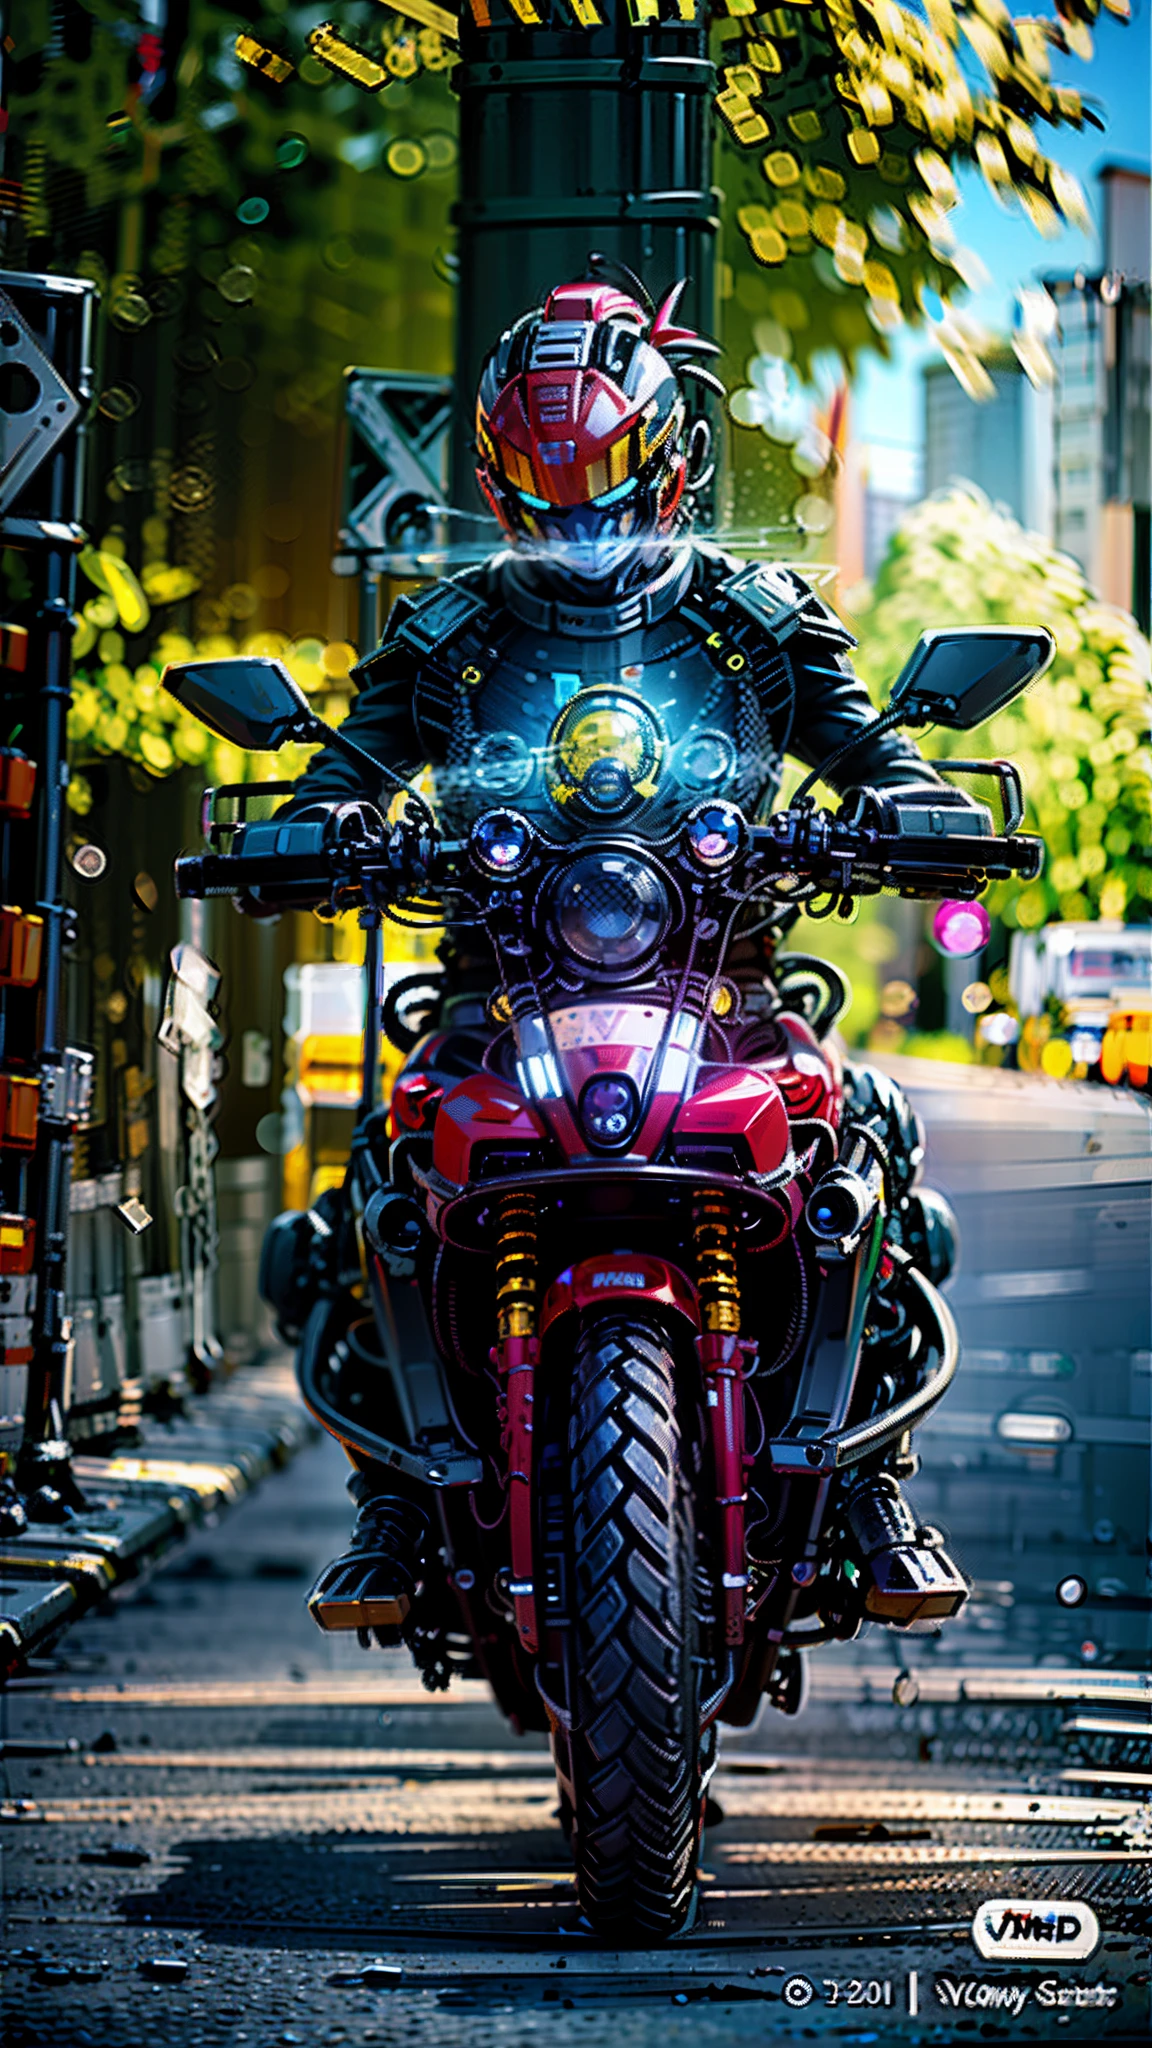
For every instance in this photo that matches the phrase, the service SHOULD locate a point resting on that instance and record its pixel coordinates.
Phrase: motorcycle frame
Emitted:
(809, 1453)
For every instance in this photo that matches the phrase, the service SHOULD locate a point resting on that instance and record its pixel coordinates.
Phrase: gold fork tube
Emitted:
(516, 1266)
(716, 1278)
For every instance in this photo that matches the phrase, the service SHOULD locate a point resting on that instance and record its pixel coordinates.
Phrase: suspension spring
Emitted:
(716, 1277)
(516, 1266)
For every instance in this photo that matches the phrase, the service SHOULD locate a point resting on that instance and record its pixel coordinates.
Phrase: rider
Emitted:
(605, 664)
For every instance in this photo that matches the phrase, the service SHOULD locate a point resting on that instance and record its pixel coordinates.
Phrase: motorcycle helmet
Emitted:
(587, 447)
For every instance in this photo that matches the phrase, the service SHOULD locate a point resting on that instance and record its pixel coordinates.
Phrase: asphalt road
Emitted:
(222, 1827)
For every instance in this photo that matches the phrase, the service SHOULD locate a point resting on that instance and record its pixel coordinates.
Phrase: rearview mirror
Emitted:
(251, 700)
(960, 675)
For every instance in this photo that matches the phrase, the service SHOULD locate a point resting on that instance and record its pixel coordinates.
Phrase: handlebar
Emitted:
(816, 845)
(795, 846)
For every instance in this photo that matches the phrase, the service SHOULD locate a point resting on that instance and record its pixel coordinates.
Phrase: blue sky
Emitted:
(1118, 83)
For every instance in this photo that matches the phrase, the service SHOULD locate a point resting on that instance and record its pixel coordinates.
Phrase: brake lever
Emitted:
(1007, 776)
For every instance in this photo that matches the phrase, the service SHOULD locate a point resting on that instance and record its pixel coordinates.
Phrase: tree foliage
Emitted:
(254, 229)
(1080, 736)
(852, 117)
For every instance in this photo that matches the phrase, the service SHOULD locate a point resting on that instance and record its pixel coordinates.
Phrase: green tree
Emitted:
(850, 120)
(1080, 736)
(286, 211)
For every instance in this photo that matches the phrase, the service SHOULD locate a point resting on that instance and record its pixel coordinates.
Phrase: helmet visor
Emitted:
(591, 541)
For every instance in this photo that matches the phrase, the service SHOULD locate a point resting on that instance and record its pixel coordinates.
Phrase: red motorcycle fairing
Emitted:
(743, 1108)
(746, 1107)
(809, 1074)
(622, 1038)
(415, 1099)
(628, 1276)
(480, 1111)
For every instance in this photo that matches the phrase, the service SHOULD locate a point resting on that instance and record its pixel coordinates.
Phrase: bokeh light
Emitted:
(1000, 1028)
(1056, 1059)
(897, 998)
(976, 997)
(959, 929)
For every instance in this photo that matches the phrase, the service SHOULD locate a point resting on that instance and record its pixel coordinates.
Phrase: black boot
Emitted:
(371, 1585)
(908, 1575)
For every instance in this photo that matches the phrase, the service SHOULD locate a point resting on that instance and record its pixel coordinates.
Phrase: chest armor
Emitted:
(621, 729)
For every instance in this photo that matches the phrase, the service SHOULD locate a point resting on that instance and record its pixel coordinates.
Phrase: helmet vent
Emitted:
(561, 345)
(553, 404)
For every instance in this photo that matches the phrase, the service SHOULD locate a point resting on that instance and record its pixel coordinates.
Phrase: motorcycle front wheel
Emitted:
(634, 1743)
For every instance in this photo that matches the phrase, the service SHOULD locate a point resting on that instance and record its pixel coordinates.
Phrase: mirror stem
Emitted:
(884, 723)
(333, 737)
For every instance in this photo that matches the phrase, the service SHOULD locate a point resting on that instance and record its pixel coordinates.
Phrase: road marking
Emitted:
(886, 1855)
(896, 1802)
(1141, 1778)
(348, 1763)
(320, 1692)
(946, 1685)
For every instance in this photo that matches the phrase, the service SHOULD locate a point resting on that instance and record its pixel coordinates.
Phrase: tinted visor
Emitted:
(590, 540)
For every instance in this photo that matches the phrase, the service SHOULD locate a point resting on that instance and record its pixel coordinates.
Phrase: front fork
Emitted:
(515, 1358)
(722, 1354)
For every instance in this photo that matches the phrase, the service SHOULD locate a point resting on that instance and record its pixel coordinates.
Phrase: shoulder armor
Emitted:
(780, 600)
(420, 622)
(430, 618)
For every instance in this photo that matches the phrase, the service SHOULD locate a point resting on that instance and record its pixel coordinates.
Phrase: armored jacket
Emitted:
(620, 715)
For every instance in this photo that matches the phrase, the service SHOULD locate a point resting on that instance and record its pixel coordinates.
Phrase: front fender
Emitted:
(621, 1276)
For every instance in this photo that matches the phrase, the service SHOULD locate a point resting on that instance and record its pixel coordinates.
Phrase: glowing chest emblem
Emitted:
(605, 753)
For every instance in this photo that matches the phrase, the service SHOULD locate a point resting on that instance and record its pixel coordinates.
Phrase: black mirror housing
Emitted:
(960, 675)
(250, 700)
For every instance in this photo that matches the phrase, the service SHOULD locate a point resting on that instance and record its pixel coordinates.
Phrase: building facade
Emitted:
(1102, 430)
(1003, 445)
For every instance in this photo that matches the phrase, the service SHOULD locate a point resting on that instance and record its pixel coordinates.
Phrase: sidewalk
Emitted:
(144, 1500)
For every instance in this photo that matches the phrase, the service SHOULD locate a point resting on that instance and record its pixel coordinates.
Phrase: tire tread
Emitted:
(635, 1739)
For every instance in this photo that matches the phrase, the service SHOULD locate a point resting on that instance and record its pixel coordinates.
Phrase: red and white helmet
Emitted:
(582, 432)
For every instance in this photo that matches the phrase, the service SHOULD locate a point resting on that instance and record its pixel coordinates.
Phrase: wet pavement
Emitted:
(220, 1826)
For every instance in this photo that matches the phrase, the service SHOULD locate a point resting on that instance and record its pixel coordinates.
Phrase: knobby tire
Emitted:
(635, 1741)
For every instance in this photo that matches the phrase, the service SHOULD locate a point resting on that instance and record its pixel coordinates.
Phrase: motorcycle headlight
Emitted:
(609, 1108)
(609, 910)
(501, 841)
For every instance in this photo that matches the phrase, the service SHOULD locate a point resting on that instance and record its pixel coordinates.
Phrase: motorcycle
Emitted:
(636, 1287)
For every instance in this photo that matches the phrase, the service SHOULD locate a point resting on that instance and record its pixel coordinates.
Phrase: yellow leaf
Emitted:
(165, 583)
(781, 168)
(943, 19)
(155, 752)
(863, 146)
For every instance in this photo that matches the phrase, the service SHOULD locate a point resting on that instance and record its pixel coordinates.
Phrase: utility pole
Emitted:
(584, 125)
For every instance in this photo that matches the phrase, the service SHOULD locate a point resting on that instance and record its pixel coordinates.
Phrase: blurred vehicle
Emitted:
(1080, 987)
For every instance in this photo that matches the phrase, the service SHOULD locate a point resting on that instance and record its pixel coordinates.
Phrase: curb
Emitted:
(143, 1500)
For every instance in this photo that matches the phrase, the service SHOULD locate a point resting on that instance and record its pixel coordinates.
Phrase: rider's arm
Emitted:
(829, 703)
(832, 704)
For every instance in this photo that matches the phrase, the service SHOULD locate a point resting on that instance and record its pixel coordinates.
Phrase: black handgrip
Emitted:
(1020, 854)
(226, 874)
(819, 848)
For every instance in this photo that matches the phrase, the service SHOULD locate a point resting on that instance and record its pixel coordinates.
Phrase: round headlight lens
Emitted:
(715, 834)
(608, 1109)
(501, 841)
(610, 910)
